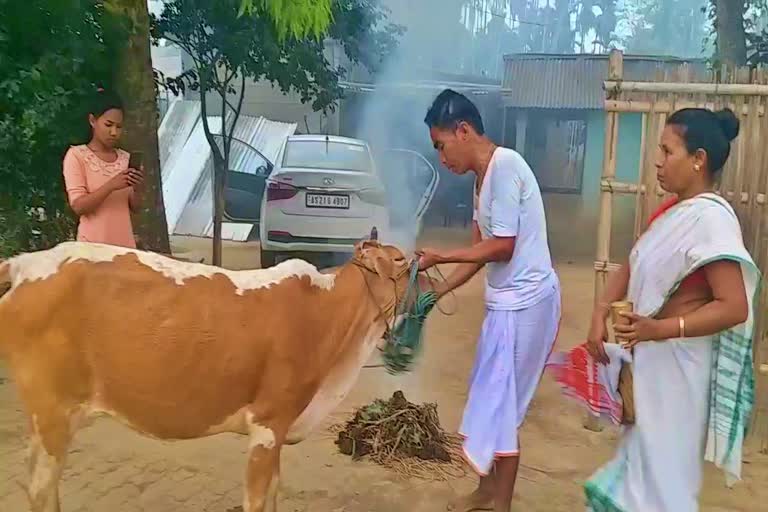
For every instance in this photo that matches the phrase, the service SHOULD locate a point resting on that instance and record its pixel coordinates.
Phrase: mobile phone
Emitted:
(136, 160)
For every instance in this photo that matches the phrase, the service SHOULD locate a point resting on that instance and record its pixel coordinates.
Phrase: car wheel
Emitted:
(268, 258)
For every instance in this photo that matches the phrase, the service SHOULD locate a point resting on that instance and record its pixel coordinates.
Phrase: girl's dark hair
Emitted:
(103, 101)
(710, 131)
(451, 108)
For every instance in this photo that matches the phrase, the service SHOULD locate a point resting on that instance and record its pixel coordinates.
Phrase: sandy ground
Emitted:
(111, 468)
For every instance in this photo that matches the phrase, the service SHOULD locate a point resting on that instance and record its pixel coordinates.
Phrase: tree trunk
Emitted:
(136, 86)
(731, 38)
(219, 177)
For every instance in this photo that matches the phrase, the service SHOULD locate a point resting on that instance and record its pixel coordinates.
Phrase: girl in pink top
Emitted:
(101, 188)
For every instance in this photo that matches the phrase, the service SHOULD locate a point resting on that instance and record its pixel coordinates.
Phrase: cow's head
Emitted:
(386, 271)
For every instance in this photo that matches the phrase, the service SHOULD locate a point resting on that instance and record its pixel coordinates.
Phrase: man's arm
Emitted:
(486, 251)
(506, 189)
(463, 272)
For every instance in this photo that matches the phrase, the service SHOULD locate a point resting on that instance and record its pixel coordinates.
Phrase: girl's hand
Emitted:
(136, 176)
(639, 329)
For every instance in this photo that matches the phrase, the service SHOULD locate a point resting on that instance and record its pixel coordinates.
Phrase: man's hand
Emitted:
(429, 284)
(428, 258)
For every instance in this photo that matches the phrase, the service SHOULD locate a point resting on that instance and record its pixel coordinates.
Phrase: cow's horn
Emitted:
(374, 233)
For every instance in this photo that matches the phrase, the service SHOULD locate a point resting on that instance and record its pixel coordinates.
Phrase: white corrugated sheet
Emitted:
(187, 165)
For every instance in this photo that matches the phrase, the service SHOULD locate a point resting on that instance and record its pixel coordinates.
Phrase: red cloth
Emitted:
(698, 278)
(584, 380)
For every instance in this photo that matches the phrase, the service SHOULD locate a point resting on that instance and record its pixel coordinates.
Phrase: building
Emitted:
(553, 115)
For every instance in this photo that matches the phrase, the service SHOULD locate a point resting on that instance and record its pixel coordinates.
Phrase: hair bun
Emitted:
(728, 122)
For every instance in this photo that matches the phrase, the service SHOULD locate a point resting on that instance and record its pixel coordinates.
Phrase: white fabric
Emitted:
(510, 205)
(689, 393)
(659, 462)
(511, 353)
(687, 237)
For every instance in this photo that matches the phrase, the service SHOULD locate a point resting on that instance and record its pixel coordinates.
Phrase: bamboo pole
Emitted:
(602, 265)
(620, 187)
(687, 88)
(644, 107)
(641, 176)
(615, 72)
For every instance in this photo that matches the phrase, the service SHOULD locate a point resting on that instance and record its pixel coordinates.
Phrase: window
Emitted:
(554, 148)
(331, 155)
(246, 181)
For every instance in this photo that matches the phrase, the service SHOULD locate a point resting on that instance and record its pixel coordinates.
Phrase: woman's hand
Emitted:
(125, 179)
(638, 329)
(136, 177)
(598, 335)
(428, 258)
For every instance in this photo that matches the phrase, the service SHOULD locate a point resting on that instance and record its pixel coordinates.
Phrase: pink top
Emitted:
(84, 173)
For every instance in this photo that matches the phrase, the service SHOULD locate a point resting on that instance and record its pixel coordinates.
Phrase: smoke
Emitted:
(391, 115)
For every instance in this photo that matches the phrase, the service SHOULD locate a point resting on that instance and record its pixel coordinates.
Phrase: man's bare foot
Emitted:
(472, 502)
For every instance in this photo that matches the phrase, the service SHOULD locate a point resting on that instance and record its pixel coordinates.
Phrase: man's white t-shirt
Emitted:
(509, 205)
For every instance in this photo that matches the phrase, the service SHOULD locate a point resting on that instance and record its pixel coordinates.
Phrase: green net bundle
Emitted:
(405, 340)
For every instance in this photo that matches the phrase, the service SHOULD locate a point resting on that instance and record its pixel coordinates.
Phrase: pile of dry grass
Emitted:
(404, 437)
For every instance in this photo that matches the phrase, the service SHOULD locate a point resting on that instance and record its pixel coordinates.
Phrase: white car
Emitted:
(326, 193)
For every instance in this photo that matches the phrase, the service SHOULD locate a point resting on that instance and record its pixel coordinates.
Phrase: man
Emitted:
(522, 294)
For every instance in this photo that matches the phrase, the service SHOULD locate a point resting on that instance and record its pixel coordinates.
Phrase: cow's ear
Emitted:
(385, 267)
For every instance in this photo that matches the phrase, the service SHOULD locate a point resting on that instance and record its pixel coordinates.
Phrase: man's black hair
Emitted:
(451, 108)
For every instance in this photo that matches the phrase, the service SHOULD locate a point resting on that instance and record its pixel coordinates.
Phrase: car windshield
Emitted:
(331, 155)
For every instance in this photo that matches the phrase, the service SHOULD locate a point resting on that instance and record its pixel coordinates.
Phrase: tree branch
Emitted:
(204, 115)
(239, 108)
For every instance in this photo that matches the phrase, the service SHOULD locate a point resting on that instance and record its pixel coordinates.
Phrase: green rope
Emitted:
(405, 341)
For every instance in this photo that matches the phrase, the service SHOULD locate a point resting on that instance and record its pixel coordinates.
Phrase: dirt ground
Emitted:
(111, 468)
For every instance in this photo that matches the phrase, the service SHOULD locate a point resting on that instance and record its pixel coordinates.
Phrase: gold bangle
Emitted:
(681, 321)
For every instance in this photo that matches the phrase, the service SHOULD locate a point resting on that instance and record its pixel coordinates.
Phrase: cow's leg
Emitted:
(50, 436)
(262, 480)
(262, 474)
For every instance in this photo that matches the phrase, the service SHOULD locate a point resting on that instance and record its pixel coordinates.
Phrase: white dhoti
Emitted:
(511, 353)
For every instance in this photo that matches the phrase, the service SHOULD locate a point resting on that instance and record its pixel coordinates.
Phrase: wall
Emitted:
(568, 213)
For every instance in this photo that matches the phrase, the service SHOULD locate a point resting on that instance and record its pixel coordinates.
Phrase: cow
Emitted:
(178, 350)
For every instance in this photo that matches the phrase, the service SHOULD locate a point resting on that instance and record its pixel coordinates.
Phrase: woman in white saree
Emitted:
(693, 285)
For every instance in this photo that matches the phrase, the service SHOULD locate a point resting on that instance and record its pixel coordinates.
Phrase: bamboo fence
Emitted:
(744, 181)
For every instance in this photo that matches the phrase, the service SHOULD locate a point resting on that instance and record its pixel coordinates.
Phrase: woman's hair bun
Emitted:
(728, 122)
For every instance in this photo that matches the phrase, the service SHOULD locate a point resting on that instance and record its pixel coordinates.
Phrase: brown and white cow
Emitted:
(179, 350)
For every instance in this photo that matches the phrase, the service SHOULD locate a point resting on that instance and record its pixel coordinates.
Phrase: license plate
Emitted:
(328, 201)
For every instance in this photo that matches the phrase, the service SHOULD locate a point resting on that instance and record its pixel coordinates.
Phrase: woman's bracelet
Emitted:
(681, 321)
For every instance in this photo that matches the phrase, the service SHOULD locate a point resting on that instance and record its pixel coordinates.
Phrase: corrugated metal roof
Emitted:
(576, 81)
(187, 165)
(423, 86)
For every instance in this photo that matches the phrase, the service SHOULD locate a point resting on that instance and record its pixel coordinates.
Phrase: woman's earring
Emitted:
(697, 167)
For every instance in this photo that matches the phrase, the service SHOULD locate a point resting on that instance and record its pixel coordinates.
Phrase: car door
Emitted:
(246, 182)
(411, 182)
